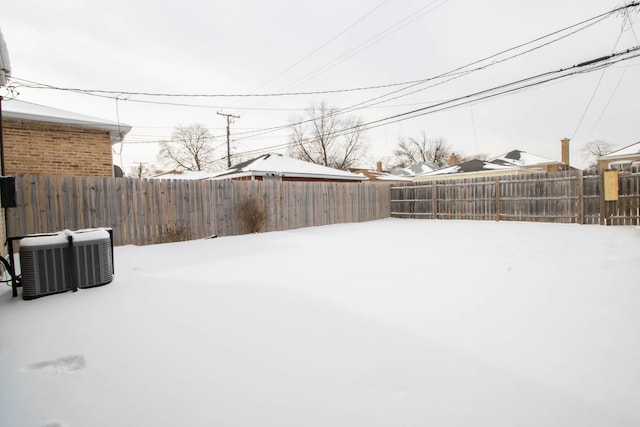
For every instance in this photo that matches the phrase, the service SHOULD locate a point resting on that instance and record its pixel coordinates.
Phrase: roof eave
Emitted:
(116, 131)
(620, 157)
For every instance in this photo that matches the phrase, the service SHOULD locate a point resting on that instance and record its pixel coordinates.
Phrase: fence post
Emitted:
(580, 197)
(603, 204)
(434, 200)
(497, 191)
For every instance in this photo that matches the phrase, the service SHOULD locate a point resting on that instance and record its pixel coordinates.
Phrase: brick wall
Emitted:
(33, 148)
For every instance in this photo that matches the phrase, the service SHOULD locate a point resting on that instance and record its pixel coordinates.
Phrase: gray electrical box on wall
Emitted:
(8, 191)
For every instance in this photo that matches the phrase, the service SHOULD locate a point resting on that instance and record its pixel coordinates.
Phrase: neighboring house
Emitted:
(621, 159)
(515, 162)
(473, 169)
(40, 140)
(283, 168)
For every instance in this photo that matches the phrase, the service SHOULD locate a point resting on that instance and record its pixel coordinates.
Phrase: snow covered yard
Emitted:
(387, 323)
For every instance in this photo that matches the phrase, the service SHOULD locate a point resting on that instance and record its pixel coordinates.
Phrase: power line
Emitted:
(453, 74)
(392, 29)
(518, 85)
(113, 93)
(496, 91)
(504, 89)
(332, 39)
(595, 89)
(460, 71)
(606, 106)
(627, 17)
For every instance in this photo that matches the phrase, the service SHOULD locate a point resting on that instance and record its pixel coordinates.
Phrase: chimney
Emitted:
(565, 151)
(453, 160)
(379, 166)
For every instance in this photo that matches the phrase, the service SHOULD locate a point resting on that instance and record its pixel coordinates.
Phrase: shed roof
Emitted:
(282, 166)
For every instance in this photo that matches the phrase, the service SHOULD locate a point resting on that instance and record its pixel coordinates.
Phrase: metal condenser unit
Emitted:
(64, 261)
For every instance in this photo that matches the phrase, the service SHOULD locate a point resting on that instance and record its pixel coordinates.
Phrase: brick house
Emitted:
(40, 140)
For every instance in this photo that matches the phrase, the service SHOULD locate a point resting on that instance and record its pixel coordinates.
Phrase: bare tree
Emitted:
(190, 148)
(142, 170)
(461, 157)
(138, 171)
(325, 138)
(594, 149)
(422, 149)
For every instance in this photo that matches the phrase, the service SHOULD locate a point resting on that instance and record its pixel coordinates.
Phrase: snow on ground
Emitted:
(388, 323)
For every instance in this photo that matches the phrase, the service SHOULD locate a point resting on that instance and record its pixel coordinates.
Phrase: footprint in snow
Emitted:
(66, 364)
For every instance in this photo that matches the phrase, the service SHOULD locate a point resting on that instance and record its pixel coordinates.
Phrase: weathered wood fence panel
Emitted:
(566, 197)
(152, 211)
(591, 198)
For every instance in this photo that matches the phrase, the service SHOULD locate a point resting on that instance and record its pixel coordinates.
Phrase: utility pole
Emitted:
(140, 168)
(228, 116)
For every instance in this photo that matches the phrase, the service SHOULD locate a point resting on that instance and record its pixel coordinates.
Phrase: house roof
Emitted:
(416, 169)
(520, 158)
(278, 165)
(474, 169)
(474, 165)
(23, 110)
(375, 175)
(630, 150)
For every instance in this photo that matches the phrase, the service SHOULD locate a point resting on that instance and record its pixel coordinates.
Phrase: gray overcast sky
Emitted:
(240, 47)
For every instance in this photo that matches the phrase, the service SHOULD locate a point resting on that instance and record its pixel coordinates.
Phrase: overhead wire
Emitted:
(456, 73)
(364, 104)
(453, 74)
(460, 71)
(507, 88)
(323, 45)
(597, 86)
(115, 93)
(470, 99)
(627, 18)
(392, 29)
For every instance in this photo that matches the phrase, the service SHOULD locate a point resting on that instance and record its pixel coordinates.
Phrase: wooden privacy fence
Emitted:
(567, 197)
(153, 211)
(145, 211)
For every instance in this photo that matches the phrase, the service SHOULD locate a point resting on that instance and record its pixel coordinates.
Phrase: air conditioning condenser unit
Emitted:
(65, 261)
